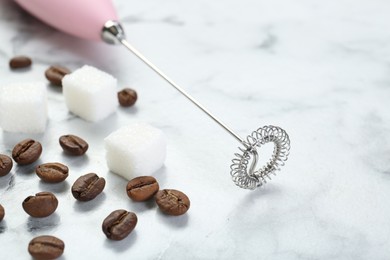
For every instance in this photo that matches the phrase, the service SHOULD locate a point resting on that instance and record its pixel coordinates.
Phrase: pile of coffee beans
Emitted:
(116, 226)
(45, 203)
(119, 223)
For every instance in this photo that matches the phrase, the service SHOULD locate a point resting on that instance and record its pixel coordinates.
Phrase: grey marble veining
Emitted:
(319, 69)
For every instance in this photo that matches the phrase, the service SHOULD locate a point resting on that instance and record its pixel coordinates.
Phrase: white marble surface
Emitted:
(319, 69)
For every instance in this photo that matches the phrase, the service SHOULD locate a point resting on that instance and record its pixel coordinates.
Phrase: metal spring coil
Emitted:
(250, 179)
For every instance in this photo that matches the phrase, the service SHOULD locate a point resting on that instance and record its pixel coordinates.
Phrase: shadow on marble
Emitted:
(54, 88)
(85, 206)
(129, 110)
(37, 224)
(27, 171)
(61, 187)
(70, 116)
(7, 182)
(173, 221)
(262, 193)
(142, 206)
(253, 199)
(115, 180)
(268, 190)
(11, 139)
(121, 245)
(103, 127)
(3, 226)
(75, 161)
(161, 176)
(21, 70)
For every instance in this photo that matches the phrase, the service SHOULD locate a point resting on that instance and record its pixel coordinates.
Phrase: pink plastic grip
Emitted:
(81, 18)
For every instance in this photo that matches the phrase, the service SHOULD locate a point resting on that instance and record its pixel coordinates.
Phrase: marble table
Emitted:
(318, 69)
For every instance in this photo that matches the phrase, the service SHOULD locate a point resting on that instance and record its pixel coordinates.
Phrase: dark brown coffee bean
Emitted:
(119, 224)
(20, 62)
(52, 172)
(27, 151)
(172, 202)
(87, 187)
(142, 188)
(127, 97)
(73, 145)
(2, 213)
(55, 74)
(41, 205)
(46, 247)
(5, 164)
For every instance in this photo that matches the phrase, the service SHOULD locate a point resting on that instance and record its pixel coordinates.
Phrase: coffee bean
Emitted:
(52, 172)
(73, 145)
(172, 202)
(46, 247)
(127, 97)
(142, 188)
(2, 213)
(5, 164)
(41, 205)
(27, 151)
(87, 187)
(55, 74)
(20, 62)
(119, 224)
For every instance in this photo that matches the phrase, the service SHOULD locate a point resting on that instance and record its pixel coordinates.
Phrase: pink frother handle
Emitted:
(81, 18)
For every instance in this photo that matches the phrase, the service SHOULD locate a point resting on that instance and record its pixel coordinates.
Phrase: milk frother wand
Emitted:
(97, 20)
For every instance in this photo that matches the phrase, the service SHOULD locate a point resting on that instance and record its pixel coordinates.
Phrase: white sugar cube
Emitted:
(90, 93)
(23, 107)
(135, 150)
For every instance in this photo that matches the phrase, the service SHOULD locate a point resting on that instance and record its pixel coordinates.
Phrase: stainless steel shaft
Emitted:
(113, 33)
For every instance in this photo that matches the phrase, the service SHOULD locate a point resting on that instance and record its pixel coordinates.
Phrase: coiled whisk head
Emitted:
(246, 176)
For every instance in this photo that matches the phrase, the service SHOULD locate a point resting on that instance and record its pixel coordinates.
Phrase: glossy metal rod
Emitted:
(177, 87)
(112, 33)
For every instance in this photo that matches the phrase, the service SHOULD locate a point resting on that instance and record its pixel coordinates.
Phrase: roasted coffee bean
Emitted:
(142, 188)
(172, 202)
(52, 172)
(55, 74)
(46, 247)
(41, 205)
(5, 164)
(119, 224)
(20, 62)
(127, 97)
(2, 213)
(27, 151)
(87, 187)
(73, 145)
